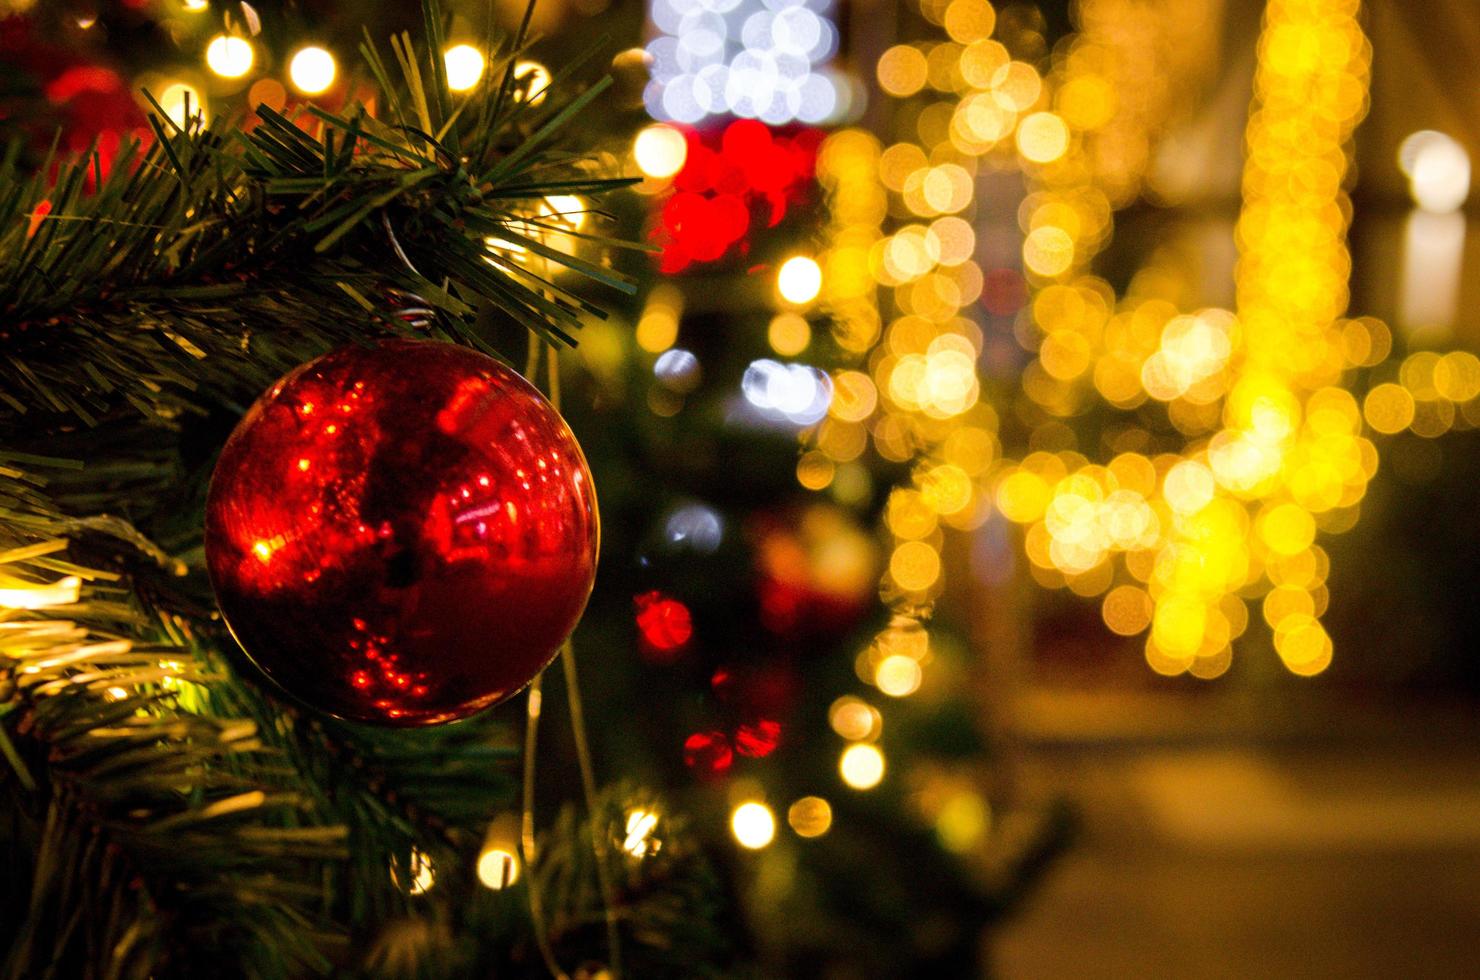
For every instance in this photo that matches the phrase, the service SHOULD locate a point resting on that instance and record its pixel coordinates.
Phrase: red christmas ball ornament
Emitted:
(403, 533)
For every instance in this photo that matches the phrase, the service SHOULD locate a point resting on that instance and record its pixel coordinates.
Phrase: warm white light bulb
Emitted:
(533, 79)
(498, 868)
(229, 57)
(1439, 174)
(753, 825)
(312, 70)
(660, 151)
(180, 101)
(799, 279)
(862, 766)
(464, 66)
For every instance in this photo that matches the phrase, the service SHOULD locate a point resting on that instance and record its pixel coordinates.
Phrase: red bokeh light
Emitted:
(664, 624)
(734, 179)
(758, 739)
(708, 752)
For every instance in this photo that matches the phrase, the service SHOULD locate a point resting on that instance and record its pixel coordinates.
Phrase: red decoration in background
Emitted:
(758, 739)
(664, 626)
(403, 533)
(733, 180)
(708, 752)
(815, 571)
(88, 101)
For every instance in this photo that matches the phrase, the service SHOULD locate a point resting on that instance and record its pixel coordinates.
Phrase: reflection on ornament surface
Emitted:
(404, 533)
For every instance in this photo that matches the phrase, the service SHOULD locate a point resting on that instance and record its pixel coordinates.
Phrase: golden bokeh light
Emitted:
(498, 868)
(753, 824)
(532, 81)
(799, 279)
(1042, 137)
(465, 65)
(229, 56)
(898, 676)
(660, 150)
(810, 816)
(854, 719)
(789, 334)
(901, 70)
(312, 70)
(181, 102)
(862, 766)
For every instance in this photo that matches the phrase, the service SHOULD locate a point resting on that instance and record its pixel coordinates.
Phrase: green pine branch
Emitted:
(141, 830)
(213, 260)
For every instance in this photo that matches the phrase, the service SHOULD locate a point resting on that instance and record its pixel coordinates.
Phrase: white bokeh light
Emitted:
(1438, 170)
(795, 393)
(757, 59)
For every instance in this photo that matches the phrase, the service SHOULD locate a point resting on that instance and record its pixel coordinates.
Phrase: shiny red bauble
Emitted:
(403, 533)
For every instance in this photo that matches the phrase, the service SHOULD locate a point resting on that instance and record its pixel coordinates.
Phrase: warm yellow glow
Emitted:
(1127, 610)
(789, 334)
(62, 592)
(799, 279)
(180, 101)
(753, 824)
(464, 66)
(657, 328)
(854, 719)
(969, 20)
(902, 70)
(420, 874)
(312, 70)
(862, 765)
(1048, 251)
(566, 210)
(815, 471)
(1042, 137)
(810, 816)
(533, 81)
(660, 150)
(1388, 408)
(1438, 170)
(638, 840)
(195, 6)
(915, 566)
(498, 868)
(898, 676)
(228, 56)
(962, 821)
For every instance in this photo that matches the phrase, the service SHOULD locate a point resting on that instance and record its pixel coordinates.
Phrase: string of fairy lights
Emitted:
(311, 70)
(1264, 444)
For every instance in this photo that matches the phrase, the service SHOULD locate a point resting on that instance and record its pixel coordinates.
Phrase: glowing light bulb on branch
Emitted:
(638, 839)
(181, 102)
(229, 57)
(464, 66)
(532, 81)
(498, 861)
(312, 70)
(660, 151)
